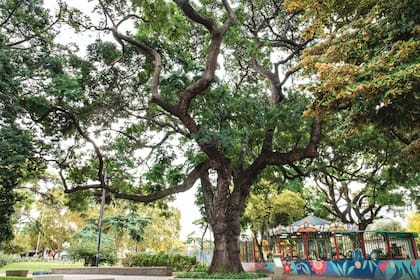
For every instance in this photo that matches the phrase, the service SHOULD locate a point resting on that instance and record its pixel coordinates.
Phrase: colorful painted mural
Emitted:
(369, 269)
(313, 246)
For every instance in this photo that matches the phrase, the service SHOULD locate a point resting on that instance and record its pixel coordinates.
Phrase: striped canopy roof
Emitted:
(310, 221)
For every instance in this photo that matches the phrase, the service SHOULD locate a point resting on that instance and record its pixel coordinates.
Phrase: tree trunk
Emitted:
(223, 210)
(226, 253)
(259, 246)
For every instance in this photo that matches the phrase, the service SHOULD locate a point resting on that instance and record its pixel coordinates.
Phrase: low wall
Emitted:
(18, 272)
(363, 269)
(310, 277)
(146, 271)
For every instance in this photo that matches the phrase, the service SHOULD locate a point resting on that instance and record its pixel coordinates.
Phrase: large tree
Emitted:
(197, 95)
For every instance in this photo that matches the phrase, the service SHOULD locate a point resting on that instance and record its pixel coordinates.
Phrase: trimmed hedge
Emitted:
(242, 275)
(176, 261)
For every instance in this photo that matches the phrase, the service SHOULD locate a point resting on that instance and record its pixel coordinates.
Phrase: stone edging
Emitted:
(146, 271)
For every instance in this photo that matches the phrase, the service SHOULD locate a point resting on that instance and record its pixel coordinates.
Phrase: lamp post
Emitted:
(101, 214)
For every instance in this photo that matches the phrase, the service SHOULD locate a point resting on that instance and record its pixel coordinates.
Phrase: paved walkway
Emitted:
(115, 277)
(107, 277)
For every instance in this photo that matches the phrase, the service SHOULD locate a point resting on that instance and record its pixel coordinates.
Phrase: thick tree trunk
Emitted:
(226, 253)
(223, 209)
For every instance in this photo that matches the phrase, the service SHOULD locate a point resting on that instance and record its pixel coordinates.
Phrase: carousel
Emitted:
(314, 246)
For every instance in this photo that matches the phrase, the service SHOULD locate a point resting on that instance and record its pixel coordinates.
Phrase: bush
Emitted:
(242, 275)
(87, 252)
(176, 261)
(5, 259)
(84, 246)
(200, 267)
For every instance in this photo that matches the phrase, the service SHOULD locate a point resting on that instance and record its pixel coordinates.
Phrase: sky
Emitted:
(189, 213)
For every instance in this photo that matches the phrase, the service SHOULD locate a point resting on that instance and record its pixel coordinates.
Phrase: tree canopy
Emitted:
(25, 39)
(267, 209)
(201, 93)
(367, 63)
(359, 176)
(157, 111)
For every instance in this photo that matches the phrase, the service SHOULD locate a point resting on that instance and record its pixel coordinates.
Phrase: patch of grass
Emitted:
(37, 265)
(203, 275)
(13, 278)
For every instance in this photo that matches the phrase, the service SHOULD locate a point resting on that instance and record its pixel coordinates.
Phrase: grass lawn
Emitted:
(33, 266)
(13, 278)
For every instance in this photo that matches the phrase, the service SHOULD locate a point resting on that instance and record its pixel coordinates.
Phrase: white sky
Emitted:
(189, 213)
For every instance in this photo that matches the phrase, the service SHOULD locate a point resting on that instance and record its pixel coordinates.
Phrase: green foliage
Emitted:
(12, 247)
(5, 259)
(200, 267)
(387, 225)
(79, 201)
(176, 261)
(85, 243)
(367, 171)
(25, 40)
(368, 65)
(268, 207)
(17, 164)
(242, 275)
(132, 223)
(220, 102)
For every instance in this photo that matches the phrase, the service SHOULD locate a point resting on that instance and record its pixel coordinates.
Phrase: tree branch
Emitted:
(188, 183)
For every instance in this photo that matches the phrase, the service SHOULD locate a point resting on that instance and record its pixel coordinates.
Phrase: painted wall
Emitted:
(378, 270)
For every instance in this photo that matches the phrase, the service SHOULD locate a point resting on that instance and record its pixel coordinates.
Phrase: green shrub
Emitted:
(200, 267)
(181, 263)
(4, 260)
(87, 252)
(203, 275)
(176, 261)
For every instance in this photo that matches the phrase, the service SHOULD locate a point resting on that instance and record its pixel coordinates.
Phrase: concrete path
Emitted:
(114, 277)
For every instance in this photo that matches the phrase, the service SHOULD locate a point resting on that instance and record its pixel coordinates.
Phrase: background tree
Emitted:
(15, 166)
(363, 174)
(162, 234)
(386, 225)
(131, 224)
(39, 228)
(267, 209)
(84, 246)
(156, 100)
(414, 225)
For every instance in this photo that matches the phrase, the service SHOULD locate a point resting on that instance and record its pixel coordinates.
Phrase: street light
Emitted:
(101, 214)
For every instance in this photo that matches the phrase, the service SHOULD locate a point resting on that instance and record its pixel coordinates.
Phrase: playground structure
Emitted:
(313, 246)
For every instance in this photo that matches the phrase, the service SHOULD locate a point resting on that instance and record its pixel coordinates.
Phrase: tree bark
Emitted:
(223, 206)
(226, 252)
